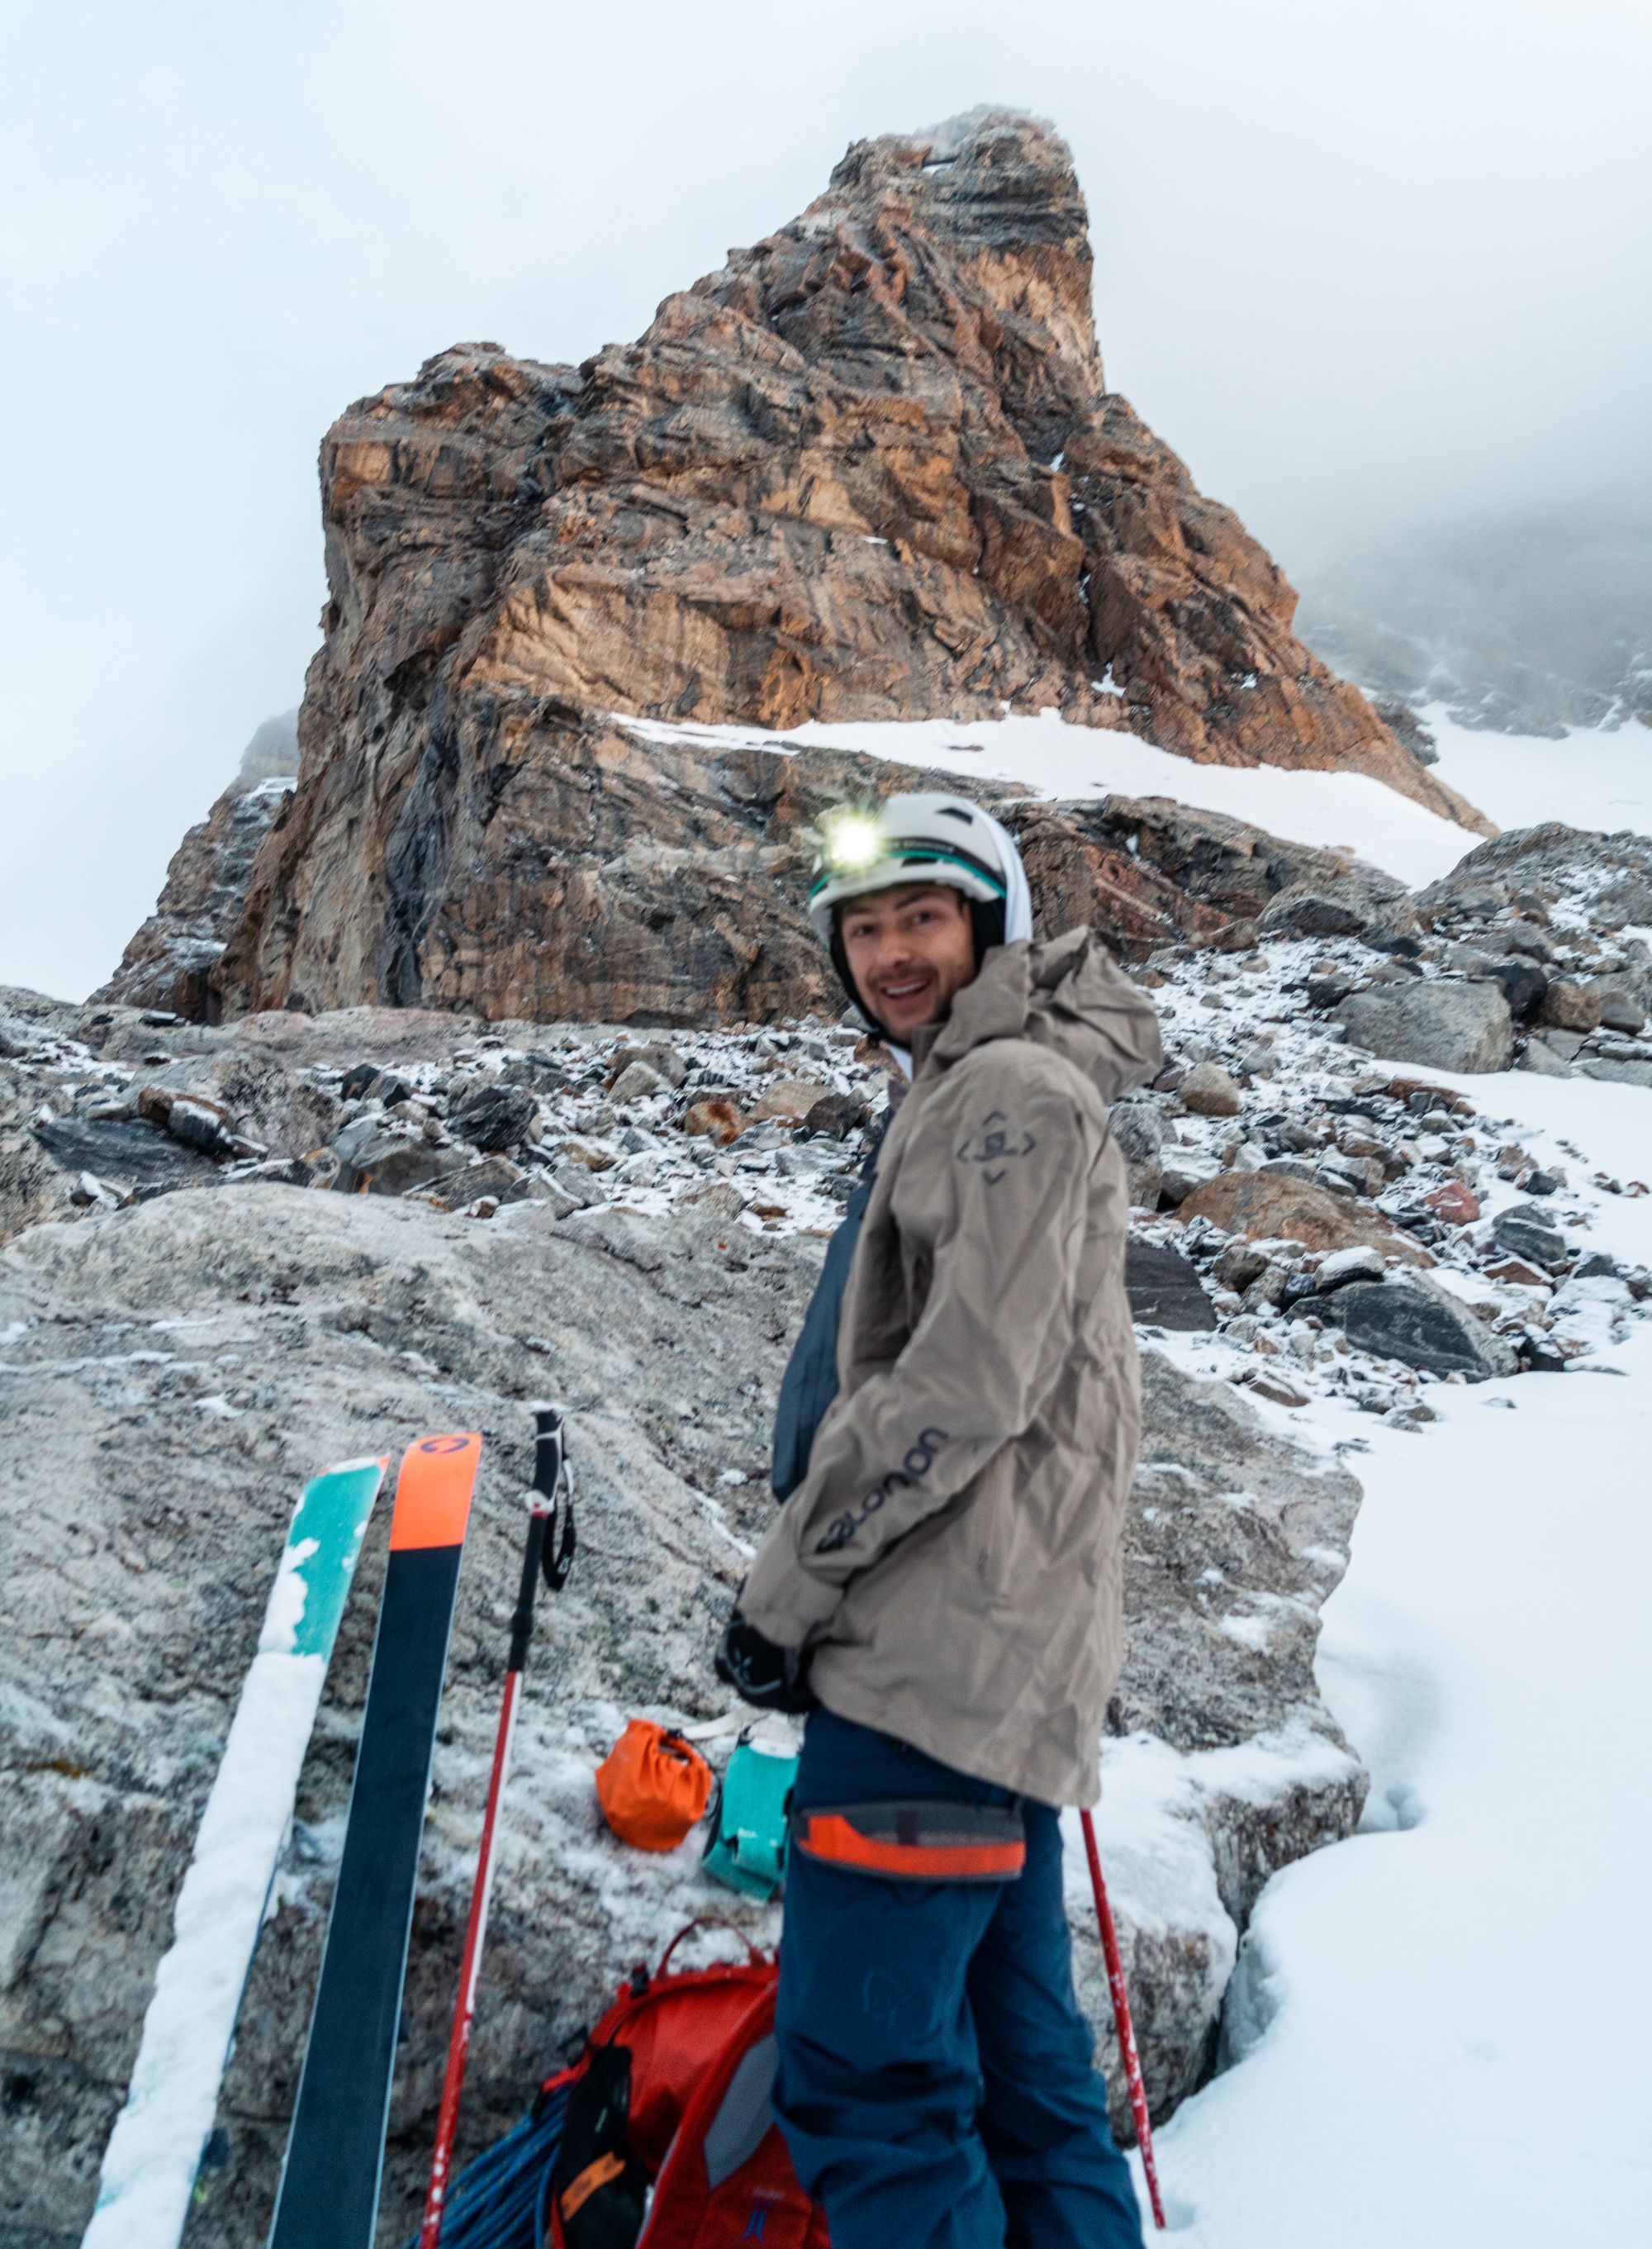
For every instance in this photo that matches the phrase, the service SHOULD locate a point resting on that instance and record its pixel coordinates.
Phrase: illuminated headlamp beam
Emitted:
(854, 842)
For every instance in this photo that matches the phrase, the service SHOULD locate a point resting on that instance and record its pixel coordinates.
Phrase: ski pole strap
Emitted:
(553, 1479)
(915, 1842)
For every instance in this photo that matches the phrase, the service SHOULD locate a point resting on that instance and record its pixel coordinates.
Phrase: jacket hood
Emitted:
(1070, 994)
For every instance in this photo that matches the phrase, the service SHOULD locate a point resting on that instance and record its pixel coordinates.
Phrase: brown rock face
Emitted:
(1265, 1205)
(867, 471)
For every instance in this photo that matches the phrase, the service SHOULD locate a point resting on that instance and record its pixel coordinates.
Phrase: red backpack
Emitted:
(673, 2092)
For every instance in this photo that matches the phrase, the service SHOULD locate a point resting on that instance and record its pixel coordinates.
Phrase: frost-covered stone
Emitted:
(1571, 1007)
(1532, 1239)
(635, 1082)
(1539, 1056)
(1423, 1326)
(790, 1098)
(1343, 1266)
(1272, 1205)
(1612, 1072)
(1209, 1091)
(1165, 1290)
(1138, 1130)
(1460, 1027)
(498, 1117)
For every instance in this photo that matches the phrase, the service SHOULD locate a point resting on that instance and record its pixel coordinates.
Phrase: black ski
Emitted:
(329, 2192)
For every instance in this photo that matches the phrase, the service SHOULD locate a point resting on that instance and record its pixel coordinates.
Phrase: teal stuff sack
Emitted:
(748, 1846)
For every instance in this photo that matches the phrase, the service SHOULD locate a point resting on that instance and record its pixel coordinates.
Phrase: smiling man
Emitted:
(956, 1435)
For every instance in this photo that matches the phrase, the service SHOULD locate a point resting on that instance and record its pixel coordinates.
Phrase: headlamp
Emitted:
(850, 841)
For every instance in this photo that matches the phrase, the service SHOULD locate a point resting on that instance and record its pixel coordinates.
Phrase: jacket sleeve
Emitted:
(1012, 1188)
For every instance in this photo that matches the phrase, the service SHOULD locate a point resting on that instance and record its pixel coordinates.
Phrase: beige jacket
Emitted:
(953, 1554)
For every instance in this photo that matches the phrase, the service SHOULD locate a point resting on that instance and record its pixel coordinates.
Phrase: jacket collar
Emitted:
(996, 1005)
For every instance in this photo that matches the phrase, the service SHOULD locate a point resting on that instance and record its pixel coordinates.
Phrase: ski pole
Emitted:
(551, 1482)
(1122, 2017)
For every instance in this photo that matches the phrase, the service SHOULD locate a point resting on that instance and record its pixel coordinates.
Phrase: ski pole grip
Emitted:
(522, 1616)
(553, 1478)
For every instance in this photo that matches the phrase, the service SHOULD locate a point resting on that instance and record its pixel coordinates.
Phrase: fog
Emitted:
(1375, 270)
(1518, 624)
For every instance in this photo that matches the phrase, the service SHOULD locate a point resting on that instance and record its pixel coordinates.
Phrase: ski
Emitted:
(155, 2151)
(328, 2197)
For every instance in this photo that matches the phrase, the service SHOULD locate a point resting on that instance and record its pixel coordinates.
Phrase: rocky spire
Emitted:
(867, 471)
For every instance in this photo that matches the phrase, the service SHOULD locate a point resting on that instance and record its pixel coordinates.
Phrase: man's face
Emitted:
(910, 951)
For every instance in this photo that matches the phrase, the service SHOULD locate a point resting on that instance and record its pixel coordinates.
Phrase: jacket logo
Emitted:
(996, 1145)
(916, 1464)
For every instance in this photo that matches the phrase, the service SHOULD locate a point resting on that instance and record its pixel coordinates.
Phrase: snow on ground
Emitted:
(1593, 779)
(1335, 811)
(1437, 2025)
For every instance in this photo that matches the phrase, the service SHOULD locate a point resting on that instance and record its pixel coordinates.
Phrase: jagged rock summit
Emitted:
(867, 471)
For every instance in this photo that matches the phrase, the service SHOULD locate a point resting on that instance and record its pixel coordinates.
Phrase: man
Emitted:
(943, 1582)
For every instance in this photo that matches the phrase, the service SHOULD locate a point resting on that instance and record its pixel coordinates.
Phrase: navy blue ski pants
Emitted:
(935, 2085)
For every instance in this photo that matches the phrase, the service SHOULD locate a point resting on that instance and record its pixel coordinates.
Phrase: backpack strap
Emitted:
(914, 1841)
(755, 1958)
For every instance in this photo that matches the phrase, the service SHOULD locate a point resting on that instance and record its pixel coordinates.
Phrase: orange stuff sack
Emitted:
(651, 1787)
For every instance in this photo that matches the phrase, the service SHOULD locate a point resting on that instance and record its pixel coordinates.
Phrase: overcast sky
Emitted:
(1363, 264)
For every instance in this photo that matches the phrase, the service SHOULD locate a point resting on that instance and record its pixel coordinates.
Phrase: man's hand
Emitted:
(768, 1677)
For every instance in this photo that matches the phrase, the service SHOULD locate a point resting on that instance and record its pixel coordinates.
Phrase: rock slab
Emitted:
(1462, 1027)
(1422, 1327)
(172, 1374)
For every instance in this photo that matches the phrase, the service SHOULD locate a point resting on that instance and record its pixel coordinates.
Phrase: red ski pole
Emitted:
(550, 1479)
(1122, 2017)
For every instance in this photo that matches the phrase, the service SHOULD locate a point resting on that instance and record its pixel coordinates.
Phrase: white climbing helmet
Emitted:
(928, 838)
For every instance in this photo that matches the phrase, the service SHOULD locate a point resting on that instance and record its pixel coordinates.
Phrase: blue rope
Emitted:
(497, 2201)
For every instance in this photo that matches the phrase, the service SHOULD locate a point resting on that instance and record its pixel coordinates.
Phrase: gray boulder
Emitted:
(377, 1159)
(498, 1116)
(1620, 1009)
(1422, 1325)
(1463, 1027)
(1209, 1091)
(1571, 1007)
(635, 1082)
(836, 1114)
(1338, 906)
(1541, 1057)
(537, 1071)
(44, 1168)
(1532, 1240)
(1138, 1130)
(1164, 1289)
(1617, 1073)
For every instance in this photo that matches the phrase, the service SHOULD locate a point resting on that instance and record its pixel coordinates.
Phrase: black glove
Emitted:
(768, 1677)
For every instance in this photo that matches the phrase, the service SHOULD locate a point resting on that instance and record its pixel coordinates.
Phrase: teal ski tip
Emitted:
(323, 1545)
